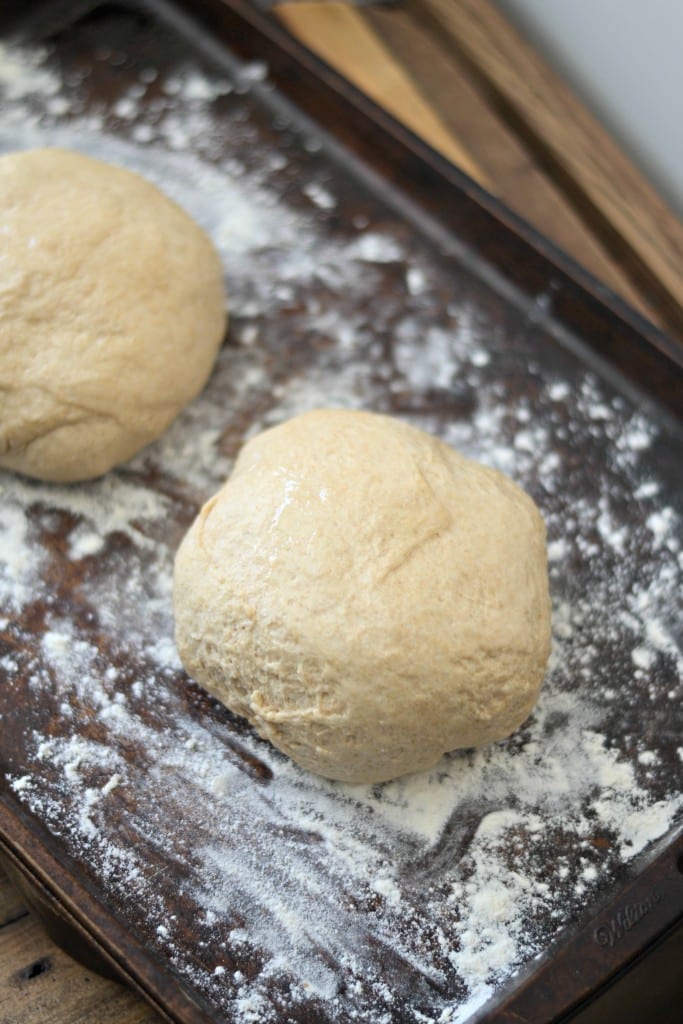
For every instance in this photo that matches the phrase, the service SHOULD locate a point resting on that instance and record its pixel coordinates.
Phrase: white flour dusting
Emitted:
(444, 883)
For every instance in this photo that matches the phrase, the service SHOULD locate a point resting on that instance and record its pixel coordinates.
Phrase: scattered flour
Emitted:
(428, 892)
(320, 196)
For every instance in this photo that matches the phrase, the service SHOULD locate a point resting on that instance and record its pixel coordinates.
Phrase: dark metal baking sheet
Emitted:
(363, 271)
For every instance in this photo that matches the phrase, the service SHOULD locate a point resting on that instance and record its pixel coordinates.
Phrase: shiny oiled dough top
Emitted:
(112, 311)
(365, 596)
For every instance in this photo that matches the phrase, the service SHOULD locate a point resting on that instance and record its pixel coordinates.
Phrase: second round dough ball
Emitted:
(368, 598)
(112, 311)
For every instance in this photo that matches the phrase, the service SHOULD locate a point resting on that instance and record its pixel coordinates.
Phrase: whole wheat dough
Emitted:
(365, 596)
(112, 311)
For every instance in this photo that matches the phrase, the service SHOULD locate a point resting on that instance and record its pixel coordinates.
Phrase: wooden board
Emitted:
(622, 207)
(39, 981)
(129, 795)
(344, 38)
(465, 125)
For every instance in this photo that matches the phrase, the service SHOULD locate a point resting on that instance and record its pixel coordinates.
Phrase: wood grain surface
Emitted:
(511, 170)
(640, 232)
(507, 120)
(344, 37)
(39, 983)
(450, 70)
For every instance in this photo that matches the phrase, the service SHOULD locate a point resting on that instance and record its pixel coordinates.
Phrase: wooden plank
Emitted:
(40, 983)
(519, 181)
(635, 223)
(339, 35)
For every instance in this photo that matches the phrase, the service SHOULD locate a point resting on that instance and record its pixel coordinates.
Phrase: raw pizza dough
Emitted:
(112, 311)
(365, 596)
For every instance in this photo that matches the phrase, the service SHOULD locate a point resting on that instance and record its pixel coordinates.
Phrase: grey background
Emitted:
(624, 58)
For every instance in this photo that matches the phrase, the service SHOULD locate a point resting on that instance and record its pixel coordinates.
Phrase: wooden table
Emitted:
(455, 73)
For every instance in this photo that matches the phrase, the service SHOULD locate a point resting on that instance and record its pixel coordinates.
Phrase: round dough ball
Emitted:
(368, 598)
(112, 311)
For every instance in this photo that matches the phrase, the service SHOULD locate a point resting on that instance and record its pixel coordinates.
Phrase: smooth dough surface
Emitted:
(112, 311)
(364, 595)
